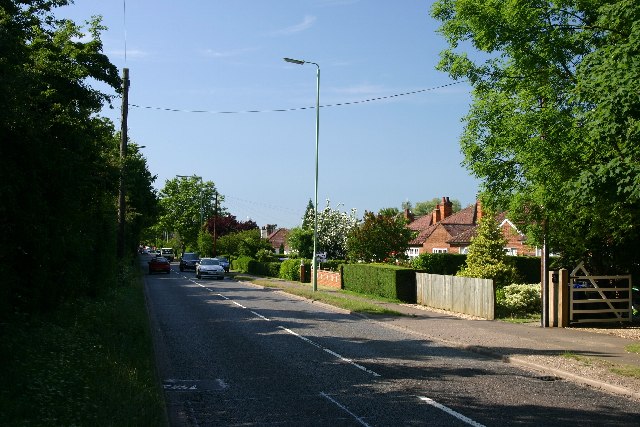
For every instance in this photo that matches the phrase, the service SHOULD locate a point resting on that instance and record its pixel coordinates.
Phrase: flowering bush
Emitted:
(519, 299)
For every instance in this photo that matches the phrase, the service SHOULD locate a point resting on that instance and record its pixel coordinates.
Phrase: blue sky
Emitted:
(226, 56)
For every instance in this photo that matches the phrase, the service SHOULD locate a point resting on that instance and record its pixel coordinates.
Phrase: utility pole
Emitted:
(215, 220)
(123, 156)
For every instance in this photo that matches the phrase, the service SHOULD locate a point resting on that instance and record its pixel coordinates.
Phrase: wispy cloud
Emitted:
(306, 23)
(211, 53)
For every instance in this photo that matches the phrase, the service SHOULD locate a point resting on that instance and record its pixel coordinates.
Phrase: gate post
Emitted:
(563, 298)
(552, 297)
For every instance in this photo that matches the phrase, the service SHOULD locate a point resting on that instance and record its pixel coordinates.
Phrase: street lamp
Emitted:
(315, 216)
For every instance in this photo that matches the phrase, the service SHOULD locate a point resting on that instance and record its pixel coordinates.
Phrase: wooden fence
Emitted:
(458, 294)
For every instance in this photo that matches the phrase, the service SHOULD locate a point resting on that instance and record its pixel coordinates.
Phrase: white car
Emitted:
(209, 267)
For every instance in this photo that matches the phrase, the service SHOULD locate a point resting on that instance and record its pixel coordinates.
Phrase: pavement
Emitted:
(527, 345)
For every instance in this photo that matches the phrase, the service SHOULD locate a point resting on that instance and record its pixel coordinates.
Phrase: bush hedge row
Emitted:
(388, 281)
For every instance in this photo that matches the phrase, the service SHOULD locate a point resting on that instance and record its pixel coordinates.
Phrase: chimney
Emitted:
(436, 215)
(408, 215)
(478, 211)
(446, 208)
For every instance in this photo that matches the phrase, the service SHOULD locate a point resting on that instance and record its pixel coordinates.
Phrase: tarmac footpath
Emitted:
(526, 345)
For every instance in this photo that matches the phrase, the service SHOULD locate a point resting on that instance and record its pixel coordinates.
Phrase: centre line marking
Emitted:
(450, 411)
(307, 340)
(344, 408)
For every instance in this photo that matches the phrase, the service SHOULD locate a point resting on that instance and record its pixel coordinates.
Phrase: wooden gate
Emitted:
(599, 298)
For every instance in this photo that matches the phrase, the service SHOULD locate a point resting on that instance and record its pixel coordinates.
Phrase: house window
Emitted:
(440, 250)
(511, 251)
(413, 252)
(464, 250)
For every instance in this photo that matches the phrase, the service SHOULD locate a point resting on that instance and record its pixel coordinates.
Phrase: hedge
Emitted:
(249, 265)
(447, 264)
(388, 281)
(528, 268)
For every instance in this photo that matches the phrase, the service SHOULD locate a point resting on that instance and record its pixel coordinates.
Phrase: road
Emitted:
(231, 353)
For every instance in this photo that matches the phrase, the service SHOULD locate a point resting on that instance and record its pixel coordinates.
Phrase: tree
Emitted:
(380, 238)
(58, 166)
(486, 257)
(185, 203)
(553, 131)
(243, 243)
(333, 228)
(300, 240)
(389, 211)
(426, 207)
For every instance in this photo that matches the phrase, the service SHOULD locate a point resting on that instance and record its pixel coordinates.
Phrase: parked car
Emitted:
(189, 260)
(209, 267)
(159, 264)
(167, 253)
(224, 263)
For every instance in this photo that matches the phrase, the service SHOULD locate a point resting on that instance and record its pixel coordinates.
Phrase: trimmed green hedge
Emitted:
(447, 264)
(249, 265)
(388, 281)
(290, 270)
(528, 268)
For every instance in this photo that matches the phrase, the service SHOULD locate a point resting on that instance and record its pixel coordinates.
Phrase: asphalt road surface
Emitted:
(233, 354)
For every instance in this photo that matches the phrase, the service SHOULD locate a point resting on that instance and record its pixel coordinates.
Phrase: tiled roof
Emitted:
(463, 234)
(464, 216)
(422, 236)
(278, 237)
(421, 223)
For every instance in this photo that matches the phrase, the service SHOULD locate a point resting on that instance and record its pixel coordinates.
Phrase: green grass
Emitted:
(619, 369)
(88, 363)
(633, 348)
(520, 319)
(332, 298)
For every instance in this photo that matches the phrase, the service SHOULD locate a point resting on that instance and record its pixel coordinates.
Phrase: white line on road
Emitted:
(450, 411)
(333, 353)
(344, 408)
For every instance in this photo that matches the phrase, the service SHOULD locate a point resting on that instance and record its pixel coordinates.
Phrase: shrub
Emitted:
(290, 269)
(241, 264)
(448, 264)
(384, 280)
(518, 300)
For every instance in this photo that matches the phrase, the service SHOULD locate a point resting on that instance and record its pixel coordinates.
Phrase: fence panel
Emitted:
(458, 294)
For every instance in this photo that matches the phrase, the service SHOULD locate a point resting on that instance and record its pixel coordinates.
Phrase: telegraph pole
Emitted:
(215, 220)
(123, 156)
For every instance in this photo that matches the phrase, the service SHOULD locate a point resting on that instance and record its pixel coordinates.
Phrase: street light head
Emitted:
(294, 61)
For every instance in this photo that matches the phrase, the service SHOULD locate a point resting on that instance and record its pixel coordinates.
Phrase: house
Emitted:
(443, 231)
(278, 240)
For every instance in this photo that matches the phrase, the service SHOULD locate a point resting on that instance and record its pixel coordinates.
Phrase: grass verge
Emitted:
(619, 369)
(633, 348)
(352, 304)
(88, 363)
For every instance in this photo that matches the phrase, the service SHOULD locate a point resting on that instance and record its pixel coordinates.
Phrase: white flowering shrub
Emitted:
(333, 228)
(518, 300)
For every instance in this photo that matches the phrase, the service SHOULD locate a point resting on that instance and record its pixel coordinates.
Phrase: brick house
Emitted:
(278, 240)
(446, 232)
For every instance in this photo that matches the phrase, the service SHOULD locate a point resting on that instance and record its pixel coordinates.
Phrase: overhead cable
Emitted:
(280, 110)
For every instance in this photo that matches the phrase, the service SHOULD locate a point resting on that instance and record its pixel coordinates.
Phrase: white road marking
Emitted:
(450, 411)
(331, 352)
(344, 408)
(307, 340)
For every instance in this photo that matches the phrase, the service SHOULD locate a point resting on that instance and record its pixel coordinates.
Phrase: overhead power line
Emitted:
(280, 110)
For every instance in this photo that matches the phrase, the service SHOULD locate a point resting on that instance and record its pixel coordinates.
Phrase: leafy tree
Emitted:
(307, 219)
(185, 203)
(333, 228)
(217, 226)
(380, 238)
(300, 240)
(58, 166)
(426, 207)
(243, 243)
(389, 211)
(486, 257)
(553, 131)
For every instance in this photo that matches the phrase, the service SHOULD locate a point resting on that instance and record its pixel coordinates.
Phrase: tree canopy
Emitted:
(59, 161)
(380, 238)
(553, 131)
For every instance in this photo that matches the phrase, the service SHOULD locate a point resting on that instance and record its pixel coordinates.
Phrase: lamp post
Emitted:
(314, 262)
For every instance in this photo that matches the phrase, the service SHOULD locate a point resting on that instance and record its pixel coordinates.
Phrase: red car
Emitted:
(159, 264)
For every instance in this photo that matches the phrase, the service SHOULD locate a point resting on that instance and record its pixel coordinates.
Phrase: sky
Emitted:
(207, 77)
